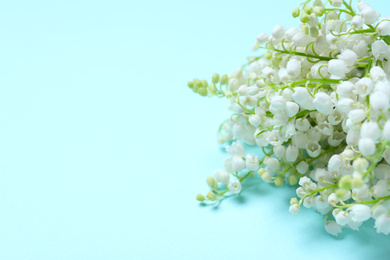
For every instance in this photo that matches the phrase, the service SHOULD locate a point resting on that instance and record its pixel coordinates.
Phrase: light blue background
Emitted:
(103, 147)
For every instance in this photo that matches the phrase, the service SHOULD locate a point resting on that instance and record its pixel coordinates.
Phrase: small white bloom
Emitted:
(235, 187)
(370, 15)
(380, 50)
(348, 56)
(301, 39)
(294, 209)
(345, 89)
(236, 149)
(377, 73)
(221, 176)
(233, 85)
(321, 202)
(302, 167)
(278, 31)
(337, 68)
(279, 151)
(292, 153)
(341, 217)
(386, 131)
(364, 86)
(323, 103)
(345, 105)
(379, 101)
(357, 21)
(262, 37)
(333, 228)
(384, 28)
(273, 164)
(278, 102)
(381, 189)
(302, 125)
(360, 212)
(367, 146)
(255, 120)
(252, 162)
(325, 128)
(291, 108)
(335, 162)
(379, 211)
(294, 68)
(357, 115)
(313, 149)
(370, 130)
(238, 164)
(382, 224)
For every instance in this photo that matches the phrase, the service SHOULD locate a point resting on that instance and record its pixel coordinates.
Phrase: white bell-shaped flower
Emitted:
(360, 212)
(337, 68)
(323, 103)
(367, 146)
(382, 224)
(221, 176)
(252, 162)
(333, 228)
(235, 187)
(292, 153)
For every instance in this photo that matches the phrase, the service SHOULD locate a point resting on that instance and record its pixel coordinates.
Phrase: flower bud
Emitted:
(224, 80)
(296, 12)
(211, 196)
(279, 181)
(215, 78)
(200, 197)
(211, 182)
(266, 177)
(235, 187)
(292, 180)
(345, 182)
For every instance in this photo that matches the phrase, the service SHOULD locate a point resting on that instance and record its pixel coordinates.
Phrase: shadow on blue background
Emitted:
(103, 147)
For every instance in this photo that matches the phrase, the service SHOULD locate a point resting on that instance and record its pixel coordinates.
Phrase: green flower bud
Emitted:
(190, 84)
(340, 193)
(268, 55)
(215, 78)
(211, 196)
(294, 201)
(357, 183)
(293, 180)
(200, 197)
(266, 177)
(308, 9)
(224, 79)
(261, 171)
(276, 60)
(305, 29)
(228, 93)
(204, 83)
(296, 12)
(319, 11)
(304, 17)
(314, 32)
(197, 83)
(202, 91)
(279, 181)
(318, 3)
(212, 87)
(346, 182)
(211, 182)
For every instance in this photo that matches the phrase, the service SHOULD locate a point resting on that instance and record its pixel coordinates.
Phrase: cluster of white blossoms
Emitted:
(318, 104)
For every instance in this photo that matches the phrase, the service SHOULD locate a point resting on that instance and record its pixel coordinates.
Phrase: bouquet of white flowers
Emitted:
(317, 103)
